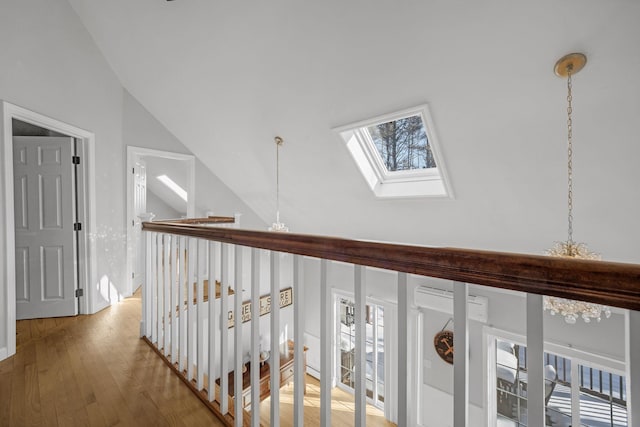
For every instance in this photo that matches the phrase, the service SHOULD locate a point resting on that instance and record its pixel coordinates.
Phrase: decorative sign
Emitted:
(286, 299)
(443, 343)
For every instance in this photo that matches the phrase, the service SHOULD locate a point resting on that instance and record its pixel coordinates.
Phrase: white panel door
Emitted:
(139, 208)
(44, 195)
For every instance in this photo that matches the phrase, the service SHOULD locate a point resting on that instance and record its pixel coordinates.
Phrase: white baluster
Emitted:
(175, 304)
(213, 319)
(632, 327)
(403, 343)
(535, 361)
(274, 358)
(360, 365)
(200, 311)
(237, 343)
(326, 344)
(191, 315)
(224, 330)
(158, 287)
(299, 379)
(461, 356)
(255, 337)
(166, 313)
(182, 322)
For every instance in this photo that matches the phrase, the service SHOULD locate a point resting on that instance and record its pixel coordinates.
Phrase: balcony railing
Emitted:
(182, 316)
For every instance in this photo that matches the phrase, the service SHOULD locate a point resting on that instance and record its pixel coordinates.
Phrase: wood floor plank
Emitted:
(17, 406)
(32, 395)
(92, 371)
(5, 396)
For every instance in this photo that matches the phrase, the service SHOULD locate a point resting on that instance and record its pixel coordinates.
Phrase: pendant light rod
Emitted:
(278, 226)
(279, 141)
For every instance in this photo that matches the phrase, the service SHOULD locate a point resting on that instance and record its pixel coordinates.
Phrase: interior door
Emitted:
(139, 208)
(44, 210)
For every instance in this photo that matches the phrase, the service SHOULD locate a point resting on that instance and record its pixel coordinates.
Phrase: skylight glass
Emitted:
(181, 192)
(398, 154)
(403, 144)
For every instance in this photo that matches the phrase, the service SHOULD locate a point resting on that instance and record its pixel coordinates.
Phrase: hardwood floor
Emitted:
(342, 408)
(96, 371)
(93, 371)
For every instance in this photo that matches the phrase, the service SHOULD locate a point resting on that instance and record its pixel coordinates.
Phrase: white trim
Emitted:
(3, 353)
(133, 154)
(87, 259)
(432, 182)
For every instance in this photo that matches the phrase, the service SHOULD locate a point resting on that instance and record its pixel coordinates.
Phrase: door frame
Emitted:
(133, 154)
(85, 206)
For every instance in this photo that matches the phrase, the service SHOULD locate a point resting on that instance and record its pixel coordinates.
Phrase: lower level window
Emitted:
(602, 394)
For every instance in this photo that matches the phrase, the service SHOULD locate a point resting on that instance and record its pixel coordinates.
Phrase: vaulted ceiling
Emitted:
(225, 77)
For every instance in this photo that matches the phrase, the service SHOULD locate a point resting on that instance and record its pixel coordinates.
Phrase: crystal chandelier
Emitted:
(278, 226)
(571, 309)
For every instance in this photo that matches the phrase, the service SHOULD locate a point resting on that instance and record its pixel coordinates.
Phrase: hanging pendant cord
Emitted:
(570, 160)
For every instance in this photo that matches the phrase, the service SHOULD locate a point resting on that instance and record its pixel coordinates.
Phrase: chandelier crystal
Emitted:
(278, 226)
(571, 309)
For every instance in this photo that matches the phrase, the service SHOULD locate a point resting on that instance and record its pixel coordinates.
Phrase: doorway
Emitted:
(85, 268)
(374, 346)
(161, 183)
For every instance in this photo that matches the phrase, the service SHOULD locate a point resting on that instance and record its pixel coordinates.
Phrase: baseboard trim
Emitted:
(315, 374)
(4, 353)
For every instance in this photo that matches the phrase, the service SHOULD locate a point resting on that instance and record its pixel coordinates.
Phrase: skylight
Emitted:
(398, 154)
(181, 192)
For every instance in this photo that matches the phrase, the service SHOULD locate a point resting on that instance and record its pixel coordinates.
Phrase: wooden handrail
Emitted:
(207, 220)
(613, 284)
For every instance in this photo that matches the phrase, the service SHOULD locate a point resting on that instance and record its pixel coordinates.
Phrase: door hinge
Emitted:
(75, 160)
(77, 226)
(79, 293)
(133, 275)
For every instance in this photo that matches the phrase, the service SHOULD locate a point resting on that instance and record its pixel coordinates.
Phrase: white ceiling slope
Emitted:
(225, 77)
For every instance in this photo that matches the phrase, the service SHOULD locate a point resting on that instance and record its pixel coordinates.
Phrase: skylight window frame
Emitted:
(410, 183)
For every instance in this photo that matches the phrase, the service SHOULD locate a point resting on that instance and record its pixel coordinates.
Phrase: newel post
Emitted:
(145, 253)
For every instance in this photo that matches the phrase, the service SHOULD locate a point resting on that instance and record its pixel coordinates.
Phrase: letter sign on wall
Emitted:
(286, 299)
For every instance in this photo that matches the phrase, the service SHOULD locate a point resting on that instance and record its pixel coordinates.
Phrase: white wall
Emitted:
(159, 208)
(141, 129)
(50, 65)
